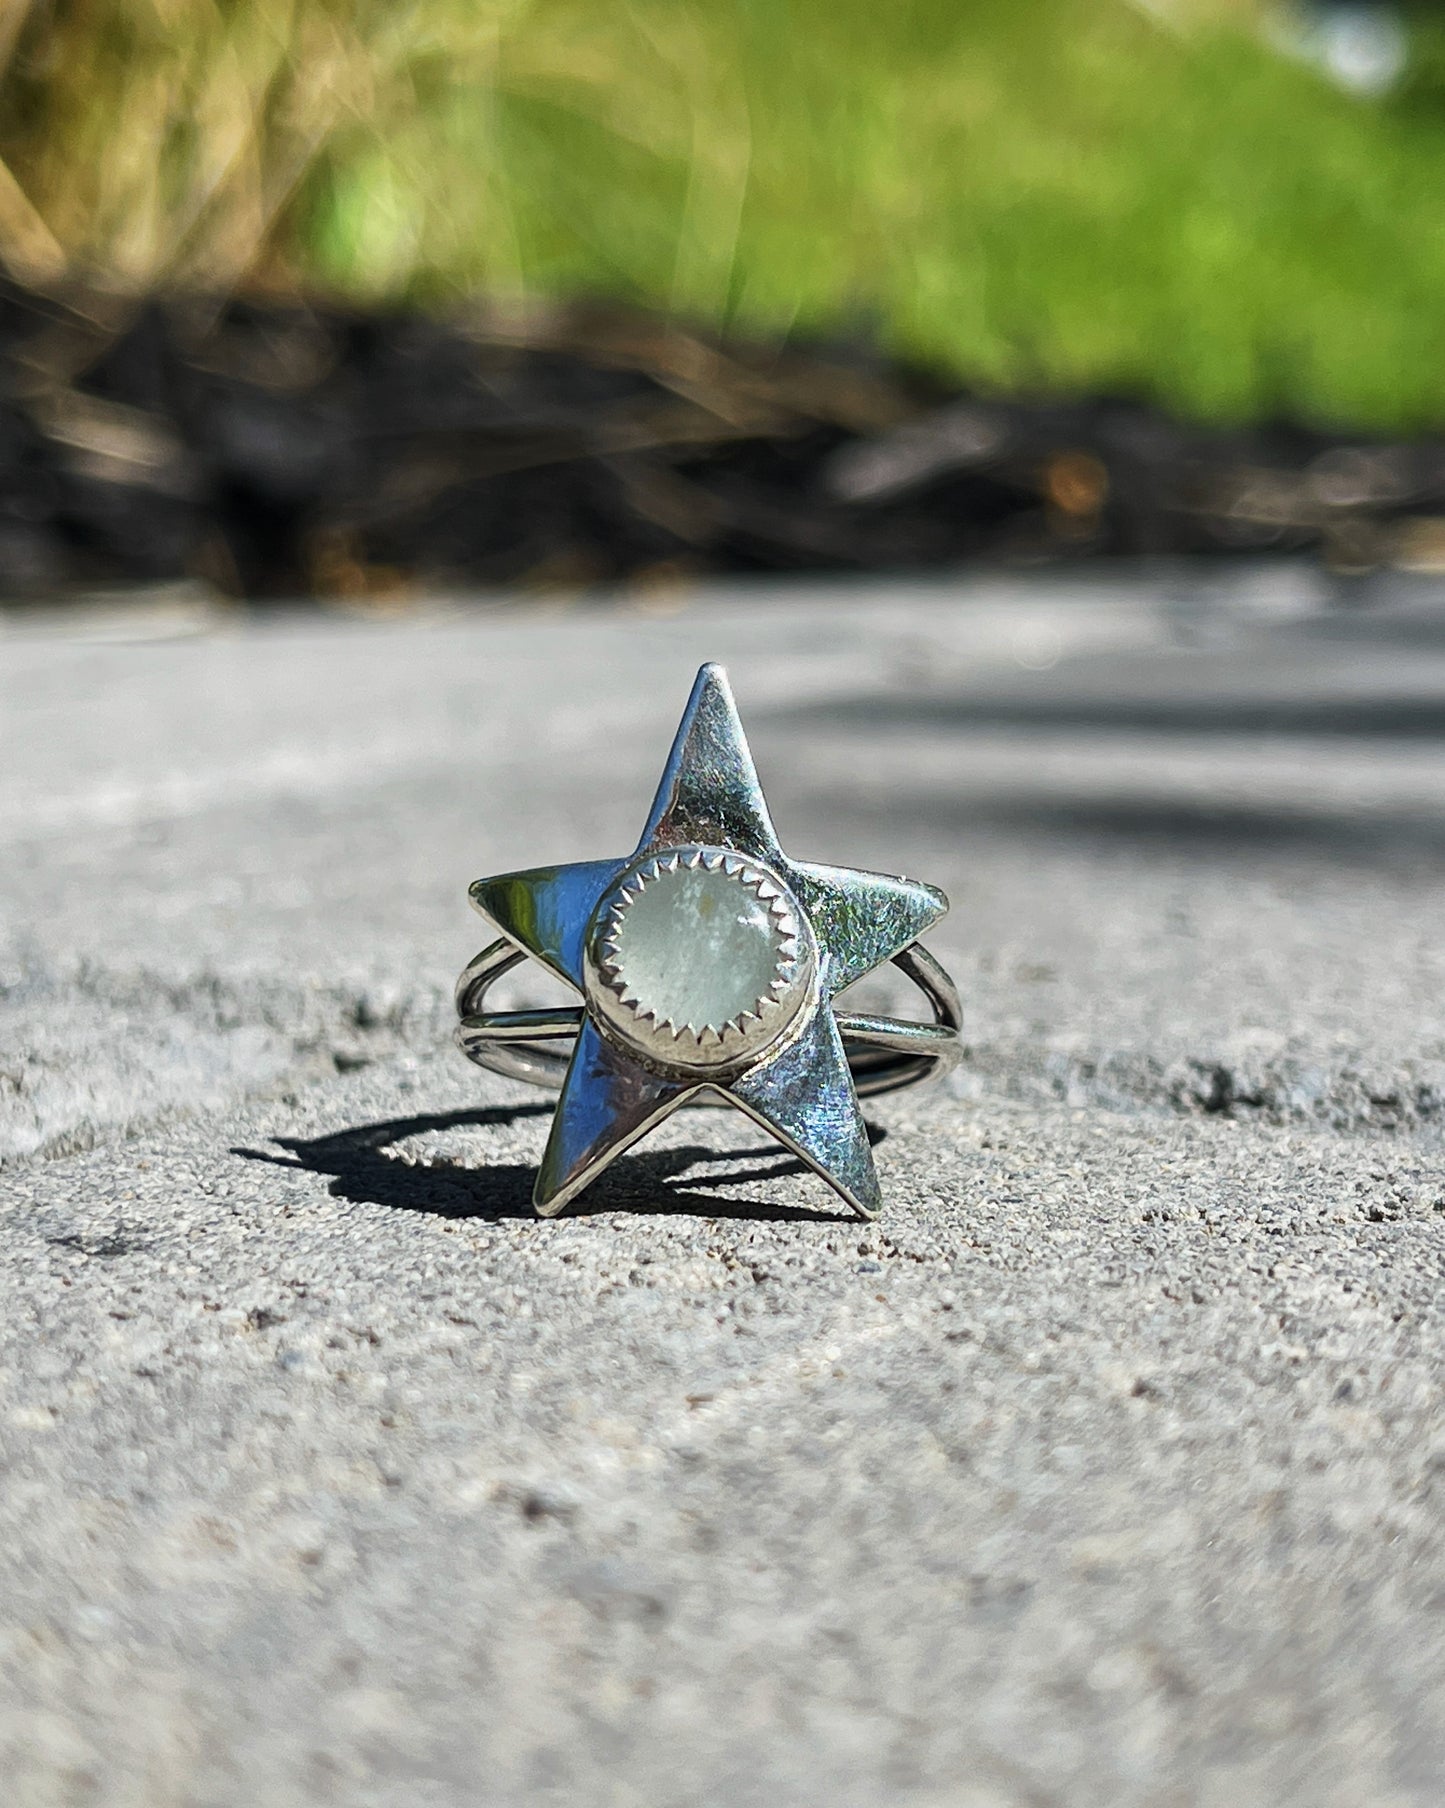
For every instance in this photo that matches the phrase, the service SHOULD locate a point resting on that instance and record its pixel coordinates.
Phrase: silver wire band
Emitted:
(884, 1053)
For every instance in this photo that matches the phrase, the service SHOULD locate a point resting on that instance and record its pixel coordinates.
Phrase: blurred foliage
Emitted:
(1068, 195)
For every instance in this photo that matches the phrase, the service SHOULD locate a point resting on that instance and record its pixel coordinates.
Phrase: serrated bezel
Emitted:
(707, 1047)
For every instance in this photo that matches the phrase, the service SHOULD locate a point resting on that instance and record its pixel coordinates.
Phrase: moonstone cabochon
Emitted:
(699, 959)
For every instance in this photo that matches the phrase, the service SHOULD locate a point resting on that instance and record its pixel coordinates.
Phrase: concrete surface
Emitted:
(1106, 1471)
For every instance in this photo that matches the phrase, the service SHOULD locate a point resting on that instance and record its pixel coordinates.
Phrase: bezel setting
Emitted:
(688, 1046)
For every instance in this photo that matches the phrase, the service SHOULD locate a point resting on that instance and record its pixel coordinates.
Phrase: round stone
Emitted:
(697, 946)
(698, 957)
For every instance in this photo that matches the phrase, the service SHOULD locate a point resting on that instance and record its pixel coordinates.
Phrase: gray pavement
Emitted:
(1105, 1471)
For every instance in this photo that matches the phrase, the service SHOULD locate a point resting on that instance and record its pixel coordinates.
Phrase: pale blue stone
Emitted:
(697, 946)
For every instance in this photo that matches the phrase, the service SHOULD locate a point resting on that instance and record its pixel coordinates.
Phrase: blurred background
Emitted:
(351, 297)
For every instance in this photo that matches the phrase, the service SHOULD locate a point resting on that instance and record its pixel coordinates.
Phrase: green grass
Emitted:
(1062, 195)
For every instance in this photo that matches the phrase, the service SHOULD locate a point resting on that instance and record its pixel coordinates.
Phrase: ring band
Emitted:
(884, 1054)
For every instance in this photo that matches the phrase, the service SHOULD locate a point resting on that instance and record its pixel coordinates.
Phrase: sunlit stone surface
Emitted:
(697, 947)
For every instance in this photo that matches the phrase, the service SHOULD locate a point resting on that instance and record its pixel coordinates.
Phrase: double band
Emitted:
(884, 1053)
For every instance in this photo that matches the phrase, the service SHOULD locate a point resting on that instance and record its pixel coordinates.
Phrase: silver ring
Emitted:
(708, 963)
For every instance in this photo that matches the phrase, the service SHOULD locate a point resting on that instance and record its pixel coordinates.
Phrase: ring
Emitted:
(708, 963)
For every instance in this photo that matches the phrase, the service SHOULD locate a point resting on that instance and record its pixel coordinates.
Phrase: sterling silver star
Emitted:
(708, 962)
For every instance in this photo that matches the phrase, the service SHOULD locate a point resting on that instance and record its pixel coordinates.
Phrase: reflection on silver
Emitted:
(794, 1064)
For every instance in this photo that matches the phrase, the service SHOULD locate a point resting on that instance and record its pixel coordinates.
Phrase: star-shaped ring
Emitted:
(708, 964)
